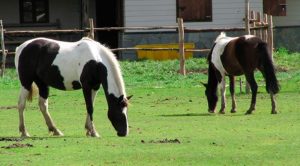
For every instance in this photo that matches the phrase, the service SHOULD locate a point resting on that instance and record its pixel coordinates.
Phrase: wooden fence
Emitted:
(254, 24)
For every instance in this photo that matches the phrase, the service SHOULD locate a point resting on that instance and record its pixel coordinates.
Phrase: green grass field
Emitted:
(169, 123)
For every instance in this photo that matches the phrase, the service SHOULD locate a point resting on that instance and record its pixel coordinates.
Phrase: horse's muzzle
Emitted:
(122, 134)
(211, 111)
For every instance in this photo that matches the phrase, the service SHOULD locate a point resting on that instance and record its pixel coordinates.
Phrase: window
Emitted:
(34, 11)
(275, 7)
(194, 10)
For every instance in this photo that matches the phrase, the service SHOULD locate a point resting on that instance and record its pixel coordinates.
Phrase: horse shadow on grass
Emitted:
(201, 114)
(34, 138)
(188, 114)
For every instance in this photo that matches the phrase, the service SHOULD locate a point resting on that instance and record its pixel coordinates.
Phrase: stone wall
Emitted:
(287, 37)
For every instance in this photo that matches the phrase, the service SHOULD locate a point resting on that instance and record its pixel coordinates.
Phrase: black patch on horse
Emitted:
(93, 74)
(76, 85)
(35, 64)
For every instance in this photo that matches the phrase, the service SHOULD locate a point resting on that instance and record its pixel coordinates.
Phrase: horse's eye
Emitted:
(123, 103)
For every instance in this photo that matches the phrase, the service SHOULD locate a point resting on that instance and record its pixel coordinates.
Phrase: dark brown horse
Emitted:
(234, 56)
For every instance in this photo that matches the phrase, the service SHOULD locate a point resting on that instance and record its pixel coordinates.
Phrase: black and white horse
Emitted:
(68, 66)
(234, 56)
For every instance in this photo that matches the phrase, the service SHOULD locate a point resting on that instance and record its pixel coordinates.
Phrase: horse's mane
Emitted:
(114, 66)
(222, 34)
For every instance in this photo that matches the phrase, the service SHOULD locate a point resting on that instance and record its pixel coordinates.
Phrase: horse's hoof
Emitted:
(233, 111)
(211, 111)
(25, 135)
(248, 113)
(222, 112)
(57, 133)
(95, 134)
(274, 112)
(92, 134)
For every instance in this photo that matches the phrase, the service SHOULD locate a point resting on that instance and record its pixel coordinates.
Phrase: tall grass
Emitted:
(163, 73)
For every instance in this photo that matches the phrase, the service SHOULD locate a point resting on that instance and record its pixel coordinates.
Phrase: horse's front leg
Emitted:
(274, 111)
(223, 96)
(253, 85)
(232, 93)
(21, 106)
(89, 96)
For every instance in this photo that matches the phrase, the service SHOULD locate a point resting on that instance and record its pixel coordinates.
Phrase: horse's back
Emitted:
(241, 55)
(56, 63)
(247, 52)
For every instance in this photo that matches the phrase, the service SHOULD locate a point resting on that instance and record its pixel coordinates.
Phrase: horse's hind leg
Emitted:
(273, 103)
(43, 104)
(89, 96)
(21, 106)
(232, 93)
(250, 78)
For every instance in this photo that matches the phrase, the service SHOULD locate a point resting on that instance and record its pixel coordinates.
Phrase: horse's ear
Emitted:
(129, 97)
(204, 84)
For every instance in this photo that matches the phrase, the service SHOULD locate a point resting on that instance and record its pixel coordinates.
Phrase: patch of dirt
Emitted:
(282, 69)
(17, 145)
(12, 139)
(164, 141)
(8, 107)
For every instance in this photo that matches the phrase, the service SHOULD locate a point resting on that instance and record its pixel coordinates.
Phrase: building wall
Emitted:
(9, 11)
(67, 11)
(293, 15)
(229, 13)
(226, 14)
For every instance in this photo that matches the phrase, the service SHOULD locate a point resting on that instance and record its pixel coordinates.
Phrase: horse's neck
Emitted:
(115, 83)
(212, 77)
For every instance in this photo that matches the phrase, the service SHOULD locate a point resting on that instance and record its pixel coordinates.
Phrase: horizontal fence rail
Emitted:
(257, 25)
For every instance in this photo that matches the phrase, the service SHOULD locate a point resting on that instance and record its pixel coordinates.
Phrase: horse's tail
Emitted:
(268, 69)
(32, 92)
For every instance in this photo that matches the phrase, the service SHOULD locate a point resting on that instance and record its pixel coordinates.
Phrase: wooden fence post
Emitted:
(270, 34)
(252, 22)
(247, 9)
(259, 23)
(92, 30)
(265, 30)
(3, 49)
(181, 46)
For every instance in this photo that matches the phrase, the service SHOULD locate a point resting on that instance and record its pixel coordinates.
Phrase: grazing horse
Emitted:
(234, 56)
(68, 66)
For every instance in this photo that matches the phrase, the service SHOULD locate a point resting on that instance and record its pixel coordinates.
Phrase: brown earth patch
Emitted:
(17, 145)
(8, 107)
(164, 141)
(11, 139)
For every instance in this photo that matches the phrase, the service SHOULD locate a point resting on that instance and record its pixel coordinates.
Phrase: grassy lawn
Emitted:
(169, 123)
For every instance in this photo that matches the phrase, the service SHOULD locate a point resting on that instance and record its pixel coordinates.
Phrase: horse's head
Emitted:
(117, 114)
(212, 98)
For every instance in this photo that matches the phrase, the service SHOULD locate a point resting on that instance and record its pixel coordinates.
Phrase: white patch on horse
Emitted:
(125, 113)
(78, 52)
(248, 36)
(221, 42)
